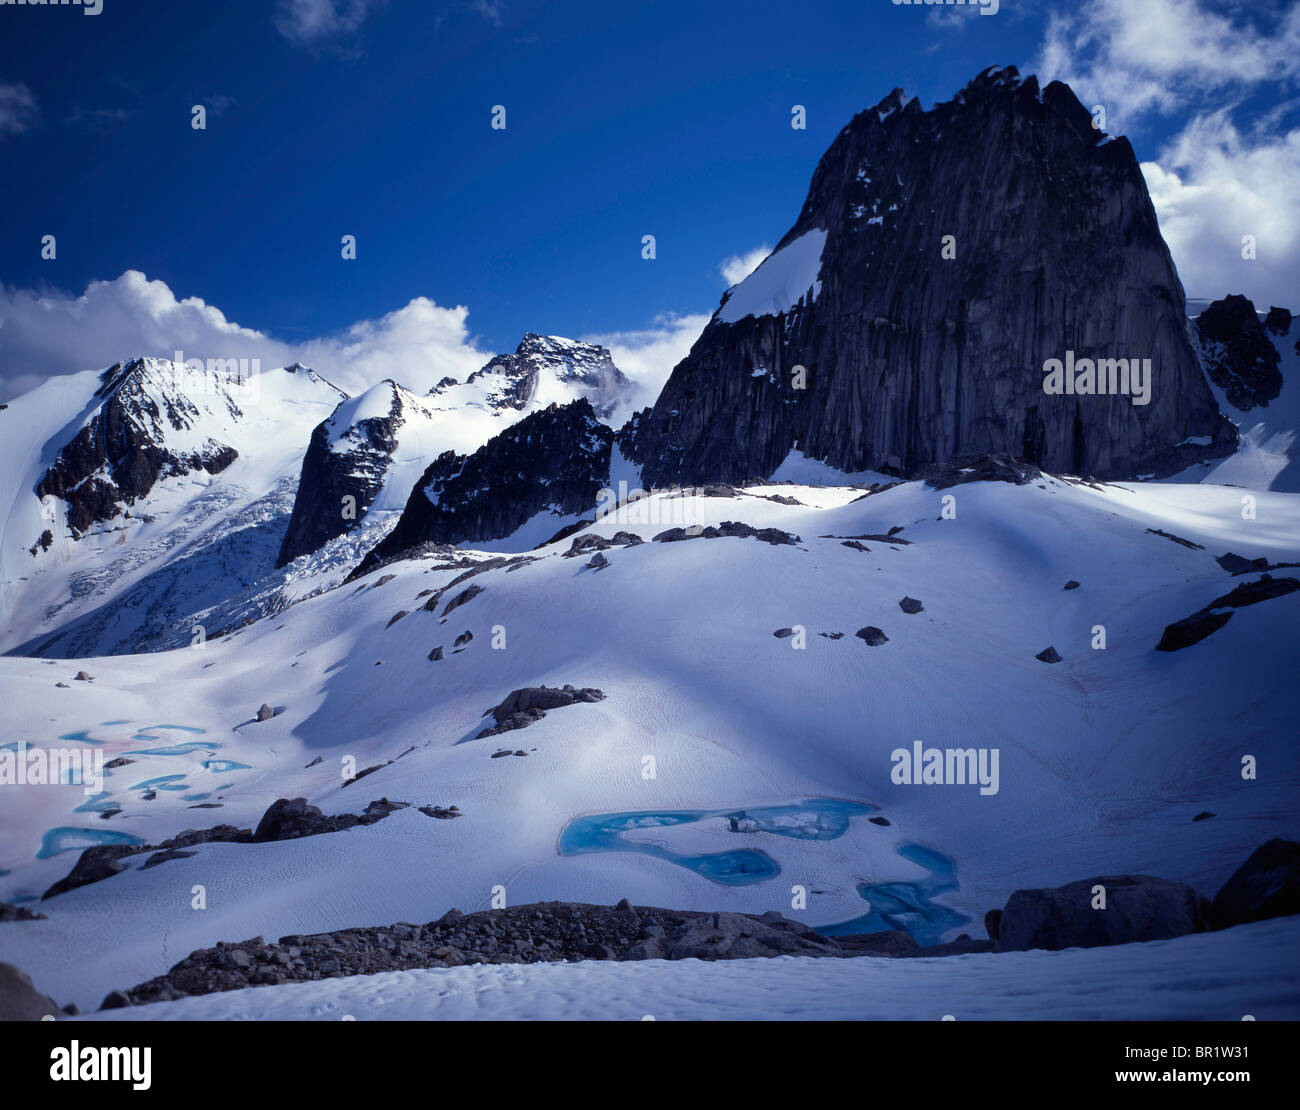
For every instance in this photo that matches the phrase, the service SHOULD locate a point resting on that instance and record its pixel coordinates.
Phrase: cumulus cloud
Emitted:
(1224, 175)
(1212, 186)
(51, 332)
(318, 22)
(18, 111)
(738, 267)
(648, 355)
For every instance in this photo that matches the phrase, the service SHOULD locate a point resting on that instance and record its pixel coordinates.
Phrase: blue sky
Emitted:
(672, 118)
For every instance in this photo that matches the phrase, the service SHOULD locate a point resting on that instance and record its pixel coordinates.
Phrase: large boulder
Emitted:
(19, 998)
(1266, 885)
(1138, 907)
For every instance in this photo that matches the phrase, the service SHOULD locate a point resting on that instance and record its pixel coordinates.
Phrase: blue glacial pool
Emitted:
(67, 839)
(908, 906)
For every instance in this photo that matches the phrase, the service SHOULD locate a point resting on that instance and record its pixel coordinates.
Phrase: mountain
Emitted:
(917, 348)
(181, 499)
(135, 498)
(547, 467)
(546, 370)
(368, 445)
(1252, 360)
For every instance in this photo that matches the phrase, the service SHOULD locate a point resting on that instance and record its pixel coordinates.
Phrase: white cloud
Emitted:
(1153, 56)
(1215, 180)
(1211, 186)
(18, 111)
(738, 267)
(648, 355)
(48, 333)
(315, 22)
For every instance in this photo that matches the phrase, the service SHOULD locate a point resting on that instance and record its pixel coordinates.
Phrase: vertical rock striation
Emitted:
(913, 358)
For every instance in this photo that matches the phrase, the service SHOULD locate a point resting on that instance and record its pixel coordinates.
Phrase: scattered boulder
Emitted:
(463, 639)
(882, 821)
(597, 561)
(910, 605)
(872, 635)
(783, 633)
(1191, 630)
(730, 528)
(1266, 885)
(265, 713)
(1138, 908)
(441, 813)
(82, 676)
(1049, 655)
(396, 617)
(9, 912)
(1204, 815)
(523, 707)
(1071, 585)
(469, 593)
(1176, 539)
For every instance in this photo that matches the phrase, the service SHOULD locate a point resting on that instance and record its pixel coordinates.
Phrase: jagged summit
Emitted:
(940, 258)
(545, 369)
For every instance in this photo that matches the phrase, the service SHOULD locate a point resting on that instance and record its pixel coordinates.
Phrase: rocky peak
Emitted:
(555, 460)
(155, 419)
(940, 259)
(1238, 355)
(542, 362)
(347, 464)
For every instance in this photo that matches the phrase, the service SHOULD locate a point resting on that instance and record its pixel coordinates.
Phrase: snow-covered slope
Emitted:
(1256, 975)
(120, 573)
(1268, 431)
(1105, 757)
(213, 504)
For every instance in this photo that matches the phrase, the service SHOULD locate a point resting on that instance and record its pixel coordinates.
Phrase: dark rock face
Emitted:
(1192, 630)
(344, 462)
(522, 708)
(1049, 654)
(121, 453)
(913, 359)
(19, 998)
(872, 635)
(1278, 320)
(556, 459)
(1266, 885)
(1239, 357)
(1138, 907)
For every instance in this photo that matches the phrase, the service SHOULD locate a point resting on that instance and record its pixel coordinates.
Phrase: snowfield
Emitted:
(1193, 978)
(1105, 757)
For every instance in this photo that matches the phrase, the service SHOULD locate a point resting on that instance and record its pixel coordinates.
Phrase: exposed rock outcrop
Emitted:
(555, 460)
(913, 358)
(349, 457)
(1238, 355)
(1137, 907)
